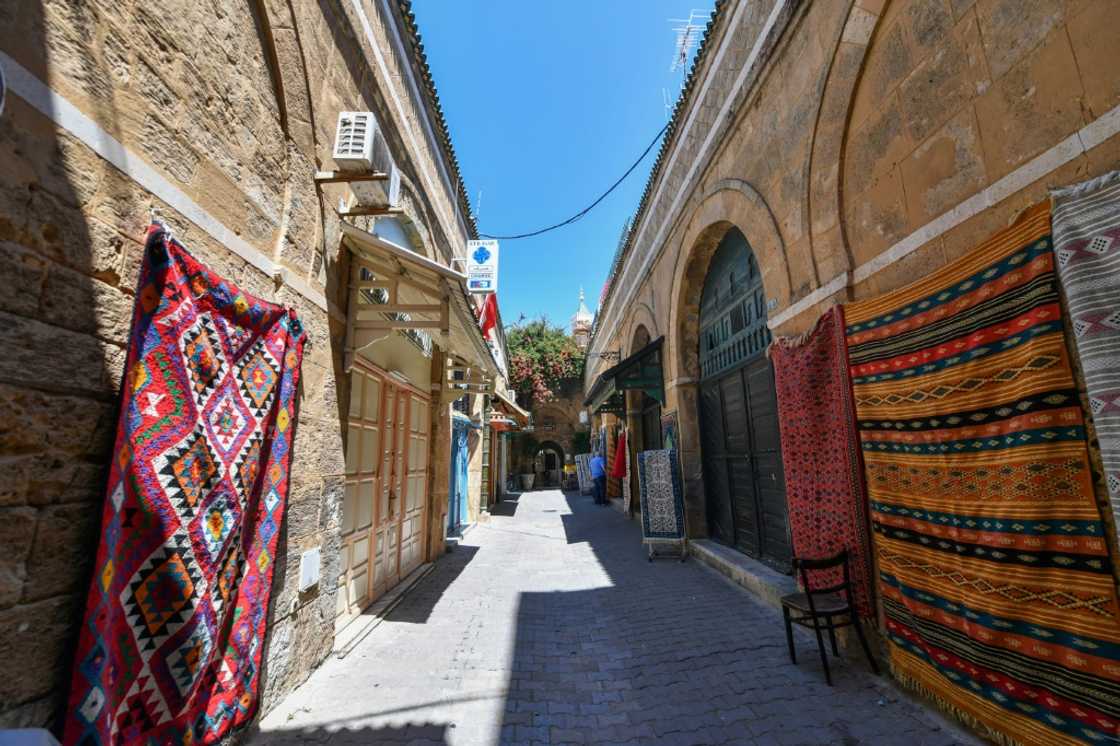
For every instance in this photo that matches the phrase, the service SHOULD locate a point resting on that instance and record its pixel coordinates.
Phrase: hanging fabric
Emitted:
(626, 488)
(618, 466)
(583, 472)
(995, 575)
(1087, 243)
(614, 487)
(820, 452)
(662, 500)
(170, 651)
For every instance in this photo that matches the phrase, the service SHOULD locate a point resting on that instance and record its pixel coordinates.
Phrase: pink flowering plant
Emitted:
(543, 361)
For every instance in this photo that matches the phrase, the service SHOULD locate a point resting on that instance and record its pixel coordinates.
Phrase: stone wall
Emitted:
(230, 113)
(857, 145)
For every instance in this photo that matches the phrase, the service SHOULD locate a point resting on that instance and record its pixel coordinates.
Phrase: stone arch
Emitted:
(830, 248)
(641, 319)
(731, 203)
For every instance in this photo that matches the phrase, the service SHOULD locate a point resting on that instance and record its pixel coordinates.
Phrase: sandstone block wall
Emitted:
(872, 141)
(235, 107)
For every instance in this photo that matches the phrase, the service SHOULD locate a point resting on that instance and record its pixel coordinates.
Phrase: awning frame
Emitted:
(641, 371)
(445, 309)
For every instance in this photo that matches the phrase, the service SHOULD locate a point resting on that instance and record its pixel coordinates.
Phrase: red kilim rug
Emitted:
(170, 651)
(821, 452)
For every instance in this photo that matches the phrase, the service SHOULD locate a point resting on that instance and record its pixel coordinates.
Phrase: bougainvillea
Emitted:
(543, 359)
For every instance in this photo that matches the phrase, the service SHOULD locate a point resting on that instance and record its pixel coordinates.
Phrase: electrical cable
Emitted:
(590, 207)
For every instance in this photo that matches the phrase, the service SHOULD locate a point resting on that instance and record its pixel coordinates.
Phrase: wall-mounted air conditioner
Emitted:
(360, 145)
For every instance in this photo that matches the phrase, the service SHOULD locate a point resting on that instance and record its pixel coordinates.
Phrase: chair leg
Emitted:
(789, 635)
(832, 637)
(824, 655)
(863, 643)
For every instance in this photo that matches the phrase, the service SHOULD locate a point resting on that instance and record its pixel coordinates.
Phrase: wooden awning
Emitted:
(639, 372)
(395, 288)
(509, 408)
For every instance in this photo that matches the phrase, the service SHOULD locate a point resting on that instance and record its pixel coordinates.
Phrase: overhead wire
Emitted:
(590, 207)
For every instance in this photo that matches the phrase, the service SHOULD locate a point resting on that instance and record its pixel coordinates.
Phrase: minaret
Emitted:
(581, 323)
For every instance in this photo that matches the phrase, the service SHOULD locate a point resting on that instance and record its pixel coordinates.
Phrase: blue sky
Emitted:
(548, 103)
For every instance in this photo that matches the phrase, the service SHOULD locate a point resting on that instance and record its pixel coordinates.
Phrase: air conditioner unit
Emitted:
(354, 141)
(360, 145)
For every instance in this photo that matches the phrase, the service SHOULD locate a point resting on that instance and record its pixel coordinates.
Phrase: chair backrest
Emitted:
(805, 564)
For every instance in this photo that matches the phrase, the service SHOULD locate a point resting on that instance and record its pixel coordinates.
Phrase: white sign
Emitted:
(482, 266)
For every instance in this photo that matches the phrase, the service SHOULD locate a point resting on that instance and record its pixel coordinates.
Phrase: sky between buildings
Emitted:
(548, 102)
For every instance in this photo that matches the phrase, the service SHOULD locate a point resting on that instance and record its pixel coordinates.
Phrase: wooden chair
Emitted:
(820, 608)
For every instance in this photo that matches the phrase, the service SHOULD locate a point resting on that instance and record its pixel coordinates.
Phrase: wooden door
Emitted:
(416, 490)
(363, 445)
(739, 442)
(384, 514)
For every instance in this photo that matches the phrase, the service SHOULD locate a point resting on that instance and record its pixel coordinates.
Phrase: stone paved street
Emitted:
(548, 625)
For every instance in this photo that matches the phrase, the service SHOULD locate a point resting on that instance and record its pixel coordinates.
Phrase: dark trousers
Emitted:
(600, 490)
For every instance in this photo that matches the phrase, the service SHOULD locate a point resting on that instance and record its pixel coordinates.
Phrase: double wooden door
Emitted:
(743, 463)
(384, 505)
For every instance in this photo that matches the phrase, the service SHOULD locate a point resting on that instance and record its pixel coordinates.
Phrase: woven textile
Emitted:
(618, 466)
(820, 452)
(583, 472)
(170, 651)
(662, 501)
(1087, 243)
(614, 486)
(626, 496)
(994, 568)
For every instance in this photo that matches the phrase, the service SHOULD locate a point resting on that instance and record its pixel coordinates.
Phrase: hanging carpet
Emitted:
(583, 472)
(1087, 243)
(170, 651)
(660, 496)
(626, 496)
(994, 569)
(820, 453)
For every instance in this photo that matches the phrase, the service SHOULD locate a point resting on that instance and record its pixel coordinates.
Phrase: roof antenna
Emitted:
(688, 31)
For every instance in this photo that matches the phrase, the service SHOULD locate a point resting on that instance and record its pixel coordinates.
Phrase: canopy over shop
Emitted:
(639, 372)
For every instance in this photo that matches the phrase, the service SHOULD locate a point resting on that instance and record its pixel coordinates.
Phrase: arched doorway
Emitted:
(549, 464)
(739, 443)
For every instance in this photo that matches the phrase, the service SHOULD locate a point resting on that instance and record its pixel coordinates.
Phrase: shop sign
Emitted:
(482, 266)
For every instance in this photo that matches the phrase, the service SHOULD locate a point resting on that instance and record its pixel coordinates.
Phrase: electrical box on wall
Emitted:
(309, 569)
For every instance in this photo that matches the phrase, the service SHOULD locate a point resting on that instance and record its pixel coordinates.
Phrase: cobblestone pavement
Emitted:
(548, 625)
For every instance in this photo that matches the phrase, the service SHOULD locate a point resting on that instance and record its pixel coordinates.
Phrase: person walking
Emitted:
(598, 469)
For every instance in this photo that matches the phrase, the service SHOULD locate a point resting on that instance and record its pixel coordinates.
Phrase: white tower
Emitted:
(581, 323)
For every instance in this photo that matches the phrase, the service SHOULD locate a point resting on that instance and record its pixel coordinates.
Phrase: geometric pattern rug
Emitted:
(1087, 241)
(820, 454)
(170, 649)
(995, 574)
(661, 497)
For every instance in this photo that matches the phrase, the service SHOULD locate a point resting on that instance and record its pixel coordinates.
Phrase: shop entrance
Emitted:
(739, 441)
(384, 507)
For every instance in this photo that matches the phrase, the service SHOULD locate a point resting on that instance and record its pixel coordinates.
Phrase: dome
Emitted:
(582, 317)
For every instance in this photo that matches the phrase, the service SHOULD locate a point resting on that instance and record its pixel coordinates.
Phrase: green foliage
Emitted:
(543, 361)
(581, 441)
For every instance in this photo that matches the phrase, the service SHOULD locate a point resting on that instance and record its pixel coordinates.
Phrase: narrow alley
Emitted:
(548, 625)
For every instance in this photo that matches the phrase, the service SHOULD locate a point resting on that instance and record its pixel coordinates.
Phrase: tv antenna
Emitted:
(688, 31)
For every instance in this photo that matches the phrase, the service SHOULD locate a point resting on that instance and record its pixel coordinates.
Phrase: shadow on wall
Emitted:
(66, 282)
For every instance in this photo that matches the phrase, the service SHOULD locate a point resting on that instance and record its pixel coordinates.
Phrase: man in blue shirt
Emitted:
(598, 468)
